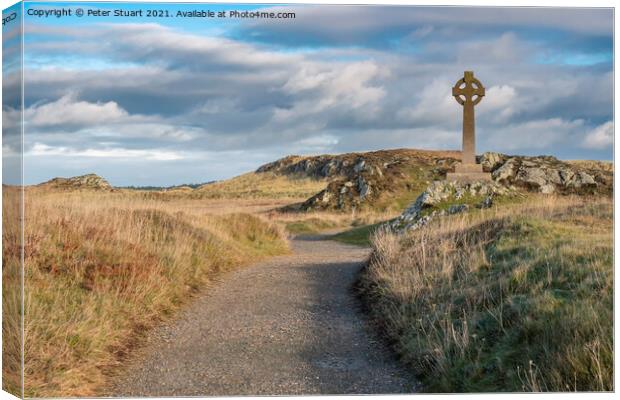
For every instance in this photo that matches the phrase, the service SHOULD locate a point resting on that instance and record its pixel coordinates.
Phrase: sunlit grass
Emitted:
(515, 298)
(102, 268)
(262, 185)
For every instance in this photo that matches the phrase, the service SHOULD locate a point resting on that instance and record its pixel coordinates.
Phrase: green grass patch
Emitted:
(359, 236)
(308, 226)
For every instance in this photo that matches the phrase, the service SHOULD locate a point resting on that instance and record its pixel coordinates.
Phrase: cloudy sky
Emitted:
(163, 101)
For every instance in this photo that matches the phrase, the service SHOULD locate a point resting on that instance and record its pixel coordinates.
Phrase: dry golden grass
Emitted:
(101, 268)
(11, 293)
(173, 203)
(263, 185)
(509, 299)
(593, 164)
(326, 221)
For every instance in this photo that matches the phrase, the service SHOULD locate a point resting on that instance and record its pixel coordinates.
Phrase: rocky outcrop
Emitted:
(83, 182)
(357, 180)
(547, 174)
(447, 198)
(512, 175)
(317, 167)
(361, 179)
(352, 164)
(343, 194)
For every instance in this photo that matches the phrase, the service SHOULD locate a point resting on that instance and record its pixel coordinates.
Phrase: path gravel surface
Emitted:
(287, 326)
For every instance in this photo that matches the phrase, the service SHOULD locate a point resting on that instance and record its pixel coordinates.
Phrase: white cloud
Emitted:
(345, 85)
(319, 143)
(534, 134)
(499, 103)
(435, 106)
(69, 111)
(40, 149)
(600, 137)
(135, 128)
(68, 115)
(506, 48)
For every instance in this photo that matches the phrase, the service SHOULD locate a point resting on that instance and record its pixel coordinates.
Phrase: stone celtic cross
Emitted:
(468, 91)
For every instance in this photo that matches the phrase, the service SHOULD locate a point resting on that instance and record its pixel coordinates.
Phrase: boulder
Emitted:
(545, 174)
(423, 209)
(490, 161)
(363, 187)
(504, 172)
(359, 167)
(532, 176)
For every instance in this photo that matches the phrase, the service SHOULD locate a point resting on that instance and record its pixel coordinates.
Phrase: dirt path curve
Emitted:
(290, 325)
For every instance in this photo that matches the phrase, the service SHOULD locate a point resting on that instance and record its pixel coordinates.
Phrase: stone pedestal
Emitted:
(468, 173)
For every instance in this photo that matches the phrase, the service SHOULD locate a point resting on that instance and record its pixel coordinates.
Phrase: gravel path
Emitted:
(287, 326)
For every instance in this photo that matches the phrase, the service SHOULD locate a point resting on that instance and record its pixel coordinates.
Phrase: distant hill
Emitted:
(267, 185)
(183, 186)
(83, 182)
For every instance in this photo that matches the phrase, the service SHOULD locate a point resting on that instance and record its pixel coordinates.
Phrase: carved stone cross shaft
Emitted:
(468, 91)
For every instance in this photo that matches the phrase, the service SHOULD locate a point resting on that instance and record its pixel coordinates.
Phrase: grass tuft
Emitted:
(517, 298)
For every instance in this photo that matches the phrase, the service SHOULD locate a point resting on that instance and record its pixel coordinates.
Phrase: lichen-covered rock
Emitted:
(363, 187)
(505, 171)
(532, 176)
(490, 161)
(546, 174)
(359, 167)
(325, 197)
(447, 198)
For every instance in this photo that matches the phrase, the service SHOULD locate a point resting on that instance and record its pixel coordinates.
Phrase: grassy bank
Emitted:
(101, 269)
(11, 292)
(508, 299)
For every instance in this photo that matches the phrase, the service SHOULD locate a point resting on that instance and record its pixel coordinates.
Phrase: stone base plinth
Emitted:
(468, 173)
(465, 168)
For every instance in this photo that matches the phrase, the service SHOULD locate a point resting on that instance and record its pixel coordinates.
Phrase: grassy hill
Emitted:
(379, 181)
(262, 185)
(513, 298)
